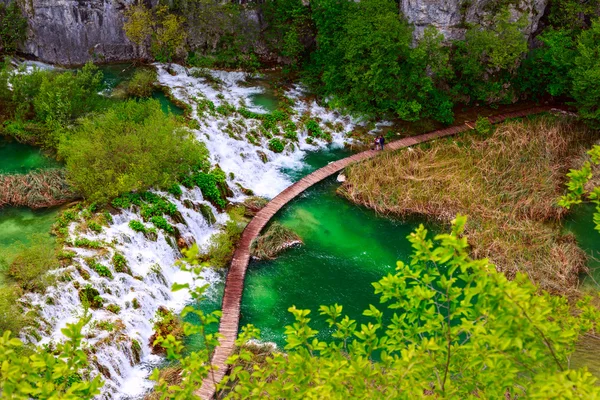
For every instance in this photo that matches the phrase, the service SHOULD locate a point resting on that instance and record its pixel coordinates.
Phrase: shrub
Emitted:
(483, 126)
(87, 243)
(209, 185)
(119, 263)
(91, 297)
(276, 145)
(11, 316)
(161, 223)
(142, 83)
(131, 147)
(137, 226)
(100, 269)
(113, 308)
(94, 226)
(166, 323)
(13, 27)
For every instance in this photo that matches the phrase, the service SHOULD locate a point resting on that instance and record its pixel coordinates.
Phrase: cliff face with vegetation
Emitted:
(451, 17)
(71, 32)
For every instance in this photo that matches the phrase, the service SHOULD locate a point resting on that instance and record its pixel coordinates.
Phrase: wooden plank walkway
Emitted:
(234, 284)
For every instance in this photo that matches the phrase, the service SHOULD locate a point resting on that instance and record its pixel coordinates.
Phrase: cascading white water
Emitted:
(152, 263)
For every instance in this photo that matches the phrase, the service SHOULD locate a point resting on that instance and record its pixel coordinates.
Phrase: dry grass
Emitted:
(276, 239)
(37, 189)
(507, 184)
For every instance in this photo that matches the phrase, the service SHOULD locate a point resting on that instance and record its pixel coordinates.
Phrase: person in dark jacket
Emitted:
(381, 142)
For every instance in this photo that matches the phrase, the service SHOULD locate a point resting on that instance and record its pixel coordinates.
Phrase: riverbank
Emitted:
(506, 182)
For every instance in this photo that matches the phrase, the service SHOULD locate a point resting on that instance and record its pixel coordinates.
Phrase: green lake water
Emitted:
(18, 158)
(115, 74)
(346, 248)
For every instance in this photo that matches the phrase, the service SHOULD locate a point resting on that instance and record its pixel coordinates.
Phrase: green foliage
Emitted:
(11, 315)
(586, 75)
(161, 223)
(483, 126)
(572, 14)
(210, 184)
(161, 28)
(119, 262)
(65, 96)
(577, 186)
(13, 27)
(138, 226)
(175, 190)
(487, 60)
(131, 147)
(547, 68)
(90, 297)
(289, 25)
(31, 263)
(441, 336)
(142, 83)
(365, 62)
(94, 226)
(45, 375)
(87, 243)
(100, 269)
(276, 145)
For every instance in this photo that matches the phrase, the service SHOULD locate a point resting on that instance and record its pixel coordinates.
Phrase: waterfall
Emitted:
(153, 263)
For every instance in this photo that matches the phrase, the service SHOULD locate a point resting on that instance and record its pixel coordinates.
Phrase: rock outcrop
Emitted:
(451, 17)
(72, 32)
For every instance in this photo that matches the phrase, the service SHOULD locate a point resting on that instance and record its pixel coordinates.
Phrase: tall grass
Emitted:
(276, 239)
(45, 188)
(507, 183)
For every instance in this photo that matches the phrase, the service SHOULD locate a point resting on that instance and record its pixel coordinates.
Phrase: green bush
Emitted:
(138, 226)
(276, 145)
(94, 226)
(119, 262)
(209, 185)
(113, 308)
(161, 223)
(87, 243)
(586, 75)
(91, 297)
(11, 315)
(131, 147)
(142, 83)
(13, 27)
(483, 126)
(100, 269)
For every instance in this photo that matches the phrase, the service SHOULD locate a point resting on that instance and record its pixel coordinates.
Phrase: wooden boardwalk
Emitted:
(234, 284)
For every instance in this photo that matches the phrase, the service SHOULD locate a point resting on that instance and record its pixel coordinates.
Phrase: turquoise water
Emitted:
(266, 100)
(346, 248)
(19, 158)
(580, 222)
(17, 225)
(115, 74)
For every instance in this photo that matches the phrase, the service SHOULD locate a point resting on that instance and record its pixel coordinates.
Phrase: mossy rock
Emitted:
(207, 213)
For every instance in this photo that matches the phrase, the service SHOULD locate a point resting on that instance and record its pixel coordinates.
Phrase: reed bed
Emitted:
(507, 184)
(275, 240)
(38, 189)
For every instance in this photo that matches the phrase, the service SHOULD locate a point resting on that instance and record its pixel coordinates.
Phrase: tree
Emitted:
(586, 75)
(169, 35)
(485, 62)
(131, 147)
(13, 27)
(138, 24)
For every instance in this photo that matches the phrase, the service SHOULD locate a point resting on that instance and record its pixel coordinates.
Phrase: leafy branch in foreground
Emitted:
(46, 374)
(454, 328)
(578, 182)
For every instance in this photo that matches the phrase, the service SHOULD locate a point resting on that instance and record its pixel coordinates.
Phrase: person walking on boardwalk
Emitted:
(381, 142)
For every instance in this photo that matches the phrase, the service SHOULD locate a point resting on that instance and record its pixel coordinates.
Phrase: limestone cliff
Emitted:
(71, 32)
(451, 16)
